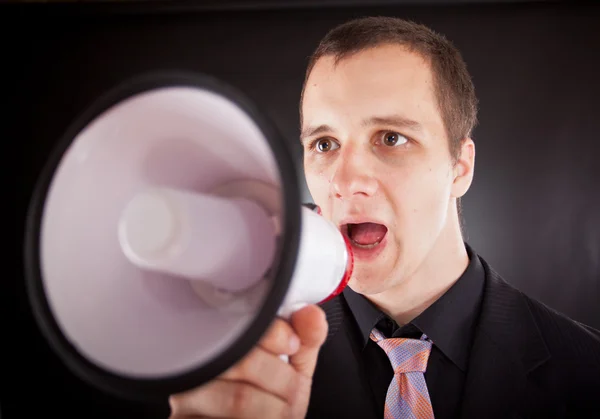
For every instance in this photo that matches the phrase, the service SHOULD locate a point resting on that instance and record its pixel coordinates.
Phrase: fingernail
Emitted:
(294, 343)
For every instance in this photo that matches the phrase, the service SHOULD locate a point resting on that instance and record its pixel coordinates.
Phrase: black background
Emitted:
(533, 211)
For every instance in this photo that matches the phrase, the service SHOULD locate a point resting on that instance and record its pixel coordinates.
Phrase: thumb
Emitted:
(310, 324)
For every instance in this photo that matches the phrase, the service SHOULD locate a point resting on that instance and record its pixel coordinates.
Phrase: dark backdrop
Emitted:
(533, 210)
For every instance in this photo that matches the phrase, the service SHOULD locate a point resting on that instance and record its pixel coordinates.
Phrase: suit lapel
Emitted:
(494, 382)
(507, 346)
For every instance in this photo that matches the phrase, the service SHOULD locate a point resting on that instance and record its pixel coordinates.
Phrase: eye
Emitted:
(393, 139)
(323, 145)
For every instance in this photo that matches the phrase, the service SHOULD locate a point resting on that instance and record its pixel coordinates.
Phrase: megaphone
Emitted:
(166, 233)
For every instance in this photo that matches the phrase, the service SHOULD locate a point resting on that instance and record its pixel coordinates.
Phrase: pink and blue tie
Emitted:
(407, 396)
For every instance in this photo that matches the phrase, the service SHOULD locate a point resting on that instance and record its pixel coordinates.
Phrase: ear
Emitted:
(463, 169)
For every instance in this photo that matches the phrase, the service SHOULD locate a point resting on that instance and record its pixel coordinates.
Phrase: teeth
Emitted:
(365, 246)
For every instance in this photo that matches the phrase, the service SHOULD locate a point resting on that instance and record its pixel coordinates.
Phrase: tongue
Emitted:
(366, 233)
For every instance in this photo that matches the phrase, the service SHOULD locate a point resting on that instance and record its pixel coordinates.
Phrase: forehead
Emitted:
(381, 80)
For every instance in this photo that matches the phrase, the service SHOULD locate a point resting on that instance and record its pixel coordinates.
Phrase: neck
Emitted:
(440, 269)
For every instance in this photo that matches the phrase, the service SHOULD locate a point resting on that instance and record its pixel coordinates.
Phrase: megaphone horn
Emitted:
(166, 233)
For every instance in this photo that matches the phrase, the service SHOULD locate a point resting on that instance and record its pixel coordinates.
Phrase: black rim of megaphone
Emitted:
(151, 389)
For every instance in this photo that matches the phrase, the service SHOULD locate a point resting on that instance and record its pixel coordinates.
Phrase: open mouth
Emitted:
(365, 235)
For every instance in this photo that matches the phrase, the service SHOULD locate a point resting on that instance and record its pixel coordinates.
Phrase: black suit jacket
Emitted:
(527, 361)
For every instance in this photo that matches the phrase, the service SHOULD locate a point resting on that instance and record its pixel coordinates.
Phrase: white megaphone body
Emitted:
(167, 232)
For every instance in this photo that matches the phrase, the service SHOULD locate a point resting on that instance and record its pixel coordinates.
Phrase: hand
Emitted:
(262, 385)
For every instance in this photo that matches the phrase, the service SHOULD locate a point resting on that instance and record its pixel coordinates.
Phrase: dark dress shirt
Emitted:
(449, 322)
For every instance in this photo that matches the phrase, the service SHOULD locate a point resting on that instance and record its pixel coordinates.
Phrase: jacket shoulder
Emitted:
(565, 334)
(563, 354)
(560, 332)
(574, 356)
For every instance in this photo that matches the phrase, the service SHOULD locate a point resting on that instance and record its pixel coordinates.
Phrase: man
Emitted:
(425, 328)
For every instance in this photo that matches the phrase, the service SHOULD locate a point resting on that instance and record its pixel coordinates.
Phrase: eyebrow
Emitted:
(393, 120)
(310, 131)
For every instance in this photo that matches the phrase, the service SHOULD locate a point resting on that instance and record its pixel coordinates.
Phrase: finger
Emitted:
(311, 326)
(194, 417)
(227, 399)
(265, 371)
(280, 339)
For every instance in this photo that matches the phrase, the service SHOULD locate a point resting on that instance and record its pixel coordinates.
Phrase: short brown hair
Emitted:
(453, 86)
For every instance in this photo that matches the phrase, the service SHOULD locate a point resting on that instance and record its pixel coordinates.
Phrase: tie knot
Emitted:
(406, 355)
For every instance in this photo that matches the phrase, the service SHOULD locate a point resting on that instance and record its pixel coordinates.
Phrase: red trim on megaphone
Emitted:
(347, 274)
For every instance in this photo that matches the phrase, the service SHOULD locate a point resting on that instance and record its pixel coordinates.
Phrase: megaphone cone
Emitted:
(166, 233)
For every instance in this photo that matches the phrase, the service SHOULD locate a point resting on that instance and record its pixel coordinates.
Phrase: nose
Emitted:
(352, 176)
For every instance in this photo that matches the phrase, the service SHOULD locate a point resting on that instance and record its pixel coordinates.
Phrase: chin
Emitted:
(367, 280)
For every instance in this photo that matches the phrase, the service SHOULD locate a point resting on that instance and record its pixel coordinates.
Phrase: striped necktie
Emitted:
(407, 395)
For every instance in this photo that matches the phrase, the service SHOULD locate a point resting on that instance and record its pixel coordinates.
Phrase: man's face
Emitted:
(377, 160)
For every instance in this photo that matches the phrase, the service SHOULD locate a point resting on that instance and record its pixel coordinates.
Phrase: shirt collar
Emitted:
(449, 322)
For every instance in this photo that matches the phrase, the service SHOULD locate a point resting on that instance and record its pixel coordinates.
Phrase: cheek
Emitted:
(419, 195)
(318, 185)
